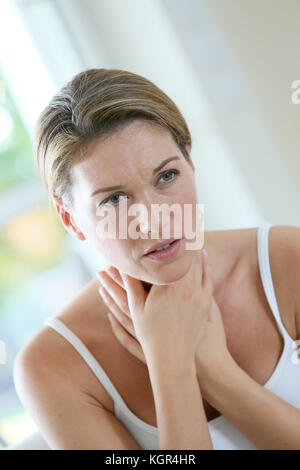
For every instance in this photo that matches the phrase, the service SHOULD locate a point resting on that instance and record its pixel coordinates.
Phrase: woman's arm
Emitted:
(67, 415)
(181, 419)
(168, 321)
(267, 420)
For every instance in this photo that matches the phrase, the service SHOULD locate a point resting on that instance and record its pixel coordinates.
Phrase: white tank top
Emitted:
(284, 382)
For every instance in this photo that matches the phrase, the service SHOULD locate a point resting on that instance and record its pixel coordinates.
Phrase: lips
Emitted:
(159, 245)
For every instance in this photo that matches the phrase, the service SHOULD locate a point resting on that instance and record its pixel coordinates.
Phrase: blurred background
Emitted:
(229, 65)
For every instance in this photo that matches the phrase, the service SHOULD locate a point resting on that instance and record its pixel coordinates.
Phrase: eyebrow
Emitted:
(111, 188)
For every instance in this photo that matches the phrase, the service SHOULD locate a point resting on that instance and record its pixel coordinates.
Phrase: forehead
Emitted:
(137, 148)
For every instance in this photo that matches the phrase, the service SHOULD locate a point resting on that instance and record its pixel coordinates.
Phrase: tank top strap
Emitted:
(266, 275)
(94, 365)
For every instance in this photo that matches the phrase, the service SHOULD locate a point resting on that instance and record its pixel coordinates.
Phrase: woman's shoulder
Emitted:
(239, 235)
(234, 241)
(231, 253)
(281, 255)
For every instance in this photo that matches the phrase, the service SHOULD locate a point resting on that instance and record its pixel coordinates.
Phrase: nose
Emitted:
(144, 221)
(154, 220)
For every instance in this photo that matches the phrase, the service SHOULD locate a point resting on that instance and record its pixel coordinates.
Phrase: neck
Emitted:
(223, 258)
(147, 285)
(220, 258)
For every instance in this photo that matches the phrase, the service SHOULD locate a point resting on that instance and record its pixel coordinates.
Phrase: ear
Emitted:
(67, 219)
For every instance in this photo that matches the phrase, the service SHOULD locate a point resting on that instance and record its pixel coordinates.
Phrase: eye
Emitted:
(112, 200)
(172, 172)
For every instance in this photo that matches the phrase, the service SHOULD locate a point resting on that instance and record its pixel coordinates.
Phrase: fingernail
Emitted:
(109, 317)
(205, 253)
(112, 269)
(99, 275)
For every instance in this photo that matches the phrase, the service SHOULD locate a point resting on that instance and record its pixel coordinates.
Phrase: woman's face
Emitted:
(128, 158)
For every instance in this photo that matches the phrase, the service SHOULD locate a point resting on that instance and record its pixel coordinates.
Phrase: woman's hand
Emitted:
(169, 321)
(115, 297)
(212, 354)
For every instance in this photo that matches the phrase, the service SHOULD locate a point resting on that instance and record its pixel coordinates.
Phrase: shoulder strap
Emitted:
(265, 273)
(101, 375)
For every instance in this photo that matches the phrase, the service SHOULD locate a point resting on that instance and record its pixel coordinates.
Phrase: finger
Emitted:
(117, 293)
(127, 341)
(136, 293)
(114, 273)
(123, 318)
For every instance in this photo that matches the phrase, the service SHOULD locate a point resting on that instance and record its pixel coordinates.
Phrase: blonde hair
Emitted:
(96, 103)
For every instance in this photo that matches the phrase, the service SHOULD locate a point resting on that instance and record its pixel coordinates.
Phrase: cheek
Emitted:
(120, 255)
(185, 191)
(187, 199)
(116, 253)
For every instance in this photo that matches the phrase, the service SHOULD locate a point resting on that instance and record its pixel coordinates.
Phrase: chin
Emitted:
(168, 273)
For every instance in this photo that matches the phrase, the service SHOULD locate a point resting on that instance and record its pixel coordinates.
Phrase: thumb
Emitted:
(136, 293)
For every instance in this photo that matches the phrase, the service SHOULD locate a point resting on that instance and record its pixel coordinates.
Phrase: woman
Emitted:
(193, 358)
